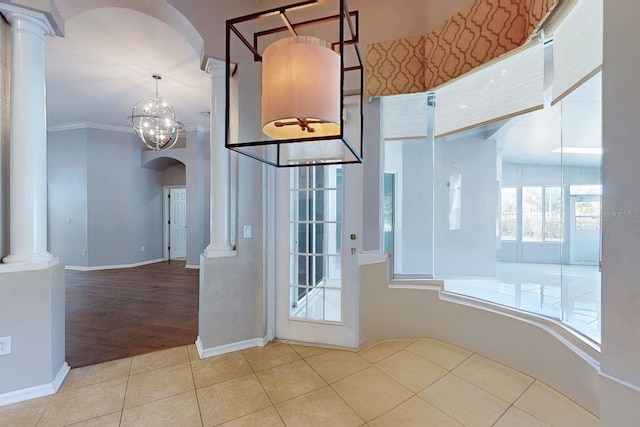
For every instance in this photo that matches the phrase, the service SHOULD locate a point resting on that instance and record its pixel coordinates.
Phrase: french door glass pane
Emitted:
(316, 241)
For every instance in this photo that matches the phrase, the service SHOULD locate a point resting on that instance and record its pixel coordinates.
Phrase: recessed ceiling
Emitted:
(104, 66)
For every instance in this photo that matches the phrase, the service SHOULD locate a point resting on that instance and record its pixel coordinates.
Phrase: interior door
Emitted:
(178, 222)
(318, 241)
(584, 231)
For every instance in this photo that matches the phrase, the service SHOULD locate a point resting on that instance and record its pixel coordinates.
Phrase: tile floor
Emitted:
(393, 383)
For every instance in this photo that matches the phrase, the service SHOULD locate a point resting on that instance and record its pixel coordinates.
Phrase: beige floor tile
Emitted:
(180, 410)
(266, 418)
(499, 380)
(218, 369)
(514, 417)
(159, 359)
(79, 377)
(414, 412)
(545, 403)
(231, 399)
(271, 355)
(336, 364)
(412, 371)
(384, 349)
(308, 351)
(25, 414)
(158, 384)
(289, 380)
(111, 420)
(193, 352)
(468, 404)
(445, 355)
(319, 408)
(84, 403)
(371, 393)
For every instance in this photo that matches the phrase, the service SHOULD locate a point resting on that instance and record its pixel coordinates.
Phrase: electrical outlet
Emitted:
(142, 249)
(5, 346)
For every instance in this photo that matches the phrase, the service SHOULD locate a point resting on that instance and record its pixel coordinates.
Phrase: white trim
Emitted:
(192, 266)
(619, 381)
(37, 391)
(371, 257)
(90, 125)
(229, 348)
(112, 267)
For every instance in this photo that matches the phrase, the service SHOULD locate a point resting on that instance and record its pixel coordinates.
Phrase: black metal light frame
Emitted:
(344, 16)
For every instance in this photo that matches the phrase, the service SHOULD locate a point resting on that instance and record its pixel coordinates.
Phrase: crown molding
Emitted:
(112, 128)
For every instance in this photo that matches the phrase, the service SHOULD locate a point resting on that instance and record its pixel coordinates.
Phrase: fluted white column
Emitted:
(28, 149)
(219, 217)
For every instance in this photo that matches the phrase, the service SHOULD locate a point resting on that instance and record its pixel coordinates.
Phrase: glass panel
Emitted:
(315, 240)
(588, 208)
(583, 190)
(388, 211)
(553, 217)
(333, 305)
(585, 223)
(509, 213)
(532, 214)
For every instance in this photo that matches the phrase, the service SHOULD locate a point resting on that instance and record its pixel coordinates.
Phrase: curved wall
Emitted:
(534, 345)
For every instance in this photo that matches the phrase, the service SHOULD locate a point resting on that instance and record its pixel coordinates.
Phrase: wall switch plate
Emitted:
(246, 231)
(5, 346)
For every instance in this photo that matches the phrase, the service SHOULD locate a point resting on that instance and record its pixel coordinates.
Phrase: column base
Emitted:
(219, 251)
(28, 262)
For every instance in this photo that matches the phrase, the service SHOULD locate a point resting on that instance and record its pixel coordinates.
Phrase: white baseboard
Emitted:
(36, 392)
(112, 267)
(229, 348)
(193, 266)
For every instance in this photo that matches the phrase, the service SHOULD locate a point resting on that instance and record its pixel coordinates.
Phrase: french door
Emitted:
(318, 233)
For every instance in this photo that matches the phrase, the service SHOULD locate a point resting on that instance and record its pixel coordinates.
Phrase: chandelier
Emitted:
(312, 72)
(155, 122)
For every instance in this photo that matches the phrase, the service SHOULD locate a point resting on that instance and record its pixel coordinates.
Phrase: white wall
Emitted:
(469, 250)
(620, 235)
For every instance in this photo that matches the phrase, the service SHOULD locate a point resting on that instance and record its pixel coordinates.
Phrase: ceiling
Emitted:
(104, 66)
(576, 121)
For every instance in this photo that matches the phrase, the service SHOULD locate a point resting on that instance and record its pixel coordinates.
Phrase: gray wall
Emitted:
(124, 201)
(175, 175)
(67, 191)
(32, 312)
(231, 289)
(101, 200)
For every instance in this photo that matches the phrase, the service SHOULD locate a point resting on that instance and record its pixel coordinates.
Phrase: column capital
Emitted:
(48, 19)
(217, 67)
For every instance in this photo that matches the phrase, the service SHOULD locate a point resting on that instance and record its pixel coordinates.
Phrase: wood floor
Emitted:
(112, 314)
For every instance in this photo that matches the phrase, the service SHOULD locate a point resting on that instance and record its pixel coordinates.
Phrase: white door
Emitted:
(318, 241)
(177, 223)
(584, 231)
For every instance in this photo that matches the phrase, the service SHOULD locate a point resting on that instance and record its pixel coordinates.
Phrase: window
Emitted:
(316, 230)
(553, 218)
(509, 213)
(587, 216)
(531, 214)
